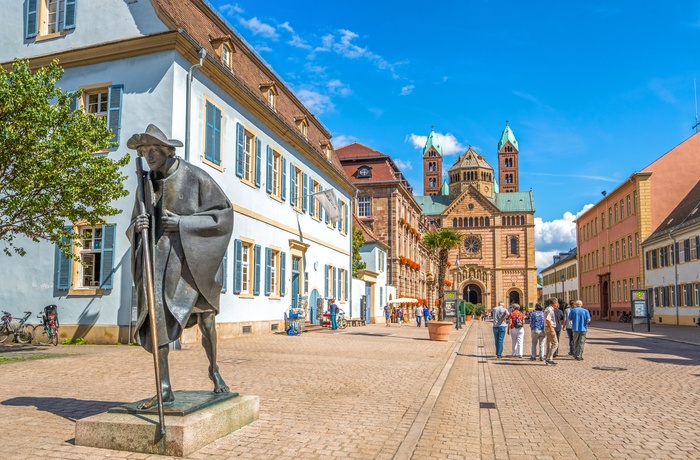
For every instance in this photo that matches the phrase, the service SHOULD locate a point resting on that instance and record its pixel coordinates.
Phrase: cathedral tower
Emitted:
(508, 161)
(432, 165)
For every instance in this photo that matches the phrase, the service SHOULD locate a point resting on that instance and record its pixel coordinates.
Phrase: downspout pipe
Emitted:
(202, 54)
(676, 290)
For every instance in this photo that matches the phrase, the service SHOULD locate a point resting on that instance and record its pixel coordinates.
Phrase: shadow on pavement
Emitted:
(69, 408)
(687, 355)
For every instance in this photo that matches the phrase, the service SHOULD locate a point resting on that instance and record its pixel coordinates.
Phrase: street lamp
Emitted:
(562, 289)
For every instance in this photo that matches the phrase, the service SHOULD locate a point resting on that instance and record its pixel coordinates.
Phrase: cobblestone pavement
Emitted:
(375, 392)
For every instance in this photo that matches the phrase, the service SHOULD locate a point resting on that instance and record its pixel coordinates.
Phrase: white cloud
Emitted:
(298, 42)
(316, 102)
(229, 9)
(555, 236)
(285, 25)
(342, 140)
(262, 48)
(403, 165)
(376, 111)
(450, 145)
(259, 28)
(347, 48)
(338, 87)
(406, 90)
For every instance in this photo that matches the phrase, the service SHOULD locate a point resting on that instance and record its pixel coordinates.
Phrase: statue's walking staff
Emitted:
(148, 272)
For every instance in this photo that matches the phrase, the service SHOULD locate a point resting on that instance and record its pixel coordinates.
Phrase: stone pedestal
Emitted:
(132, 431)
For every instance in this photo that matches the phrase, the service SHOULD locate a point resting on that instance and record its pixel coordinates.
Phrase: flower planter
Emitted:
(440, 330)
(467, 318)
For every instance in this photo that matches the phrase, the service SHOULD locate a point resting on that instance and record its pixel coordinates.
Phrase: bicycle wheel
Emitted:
(42, 336)
(25, 334)
(4, 333)
(342, 323)
(54, 336)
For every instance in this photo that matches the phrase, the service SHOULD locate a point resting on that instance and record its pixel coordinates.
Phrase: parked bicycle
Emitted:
(340, 319)
(47, 332)
(23, 333)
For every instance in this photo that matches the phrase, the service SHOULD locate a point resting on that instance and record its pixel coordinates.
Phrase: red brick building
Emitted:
(385, 204)
(610, 233)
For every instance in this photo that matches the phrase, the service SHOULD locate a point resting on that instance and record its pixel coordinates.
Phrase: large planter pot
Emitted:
(467, 318)
(440, 330)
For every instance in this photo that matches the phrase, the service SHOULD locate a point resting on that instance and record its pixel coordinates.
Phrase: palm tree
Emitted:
(442, 242)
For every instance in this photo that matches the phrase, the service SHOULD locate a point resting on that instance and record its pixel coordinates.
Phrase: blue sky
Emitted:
(593, 91)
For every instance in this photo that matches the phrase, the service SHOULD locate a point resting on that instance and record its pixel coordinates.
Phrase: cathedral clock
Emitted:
(472, 244)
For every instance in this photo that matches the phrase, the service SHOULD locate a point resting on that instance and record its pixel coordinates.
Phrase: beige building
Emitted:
(560, 280)
(496, 261)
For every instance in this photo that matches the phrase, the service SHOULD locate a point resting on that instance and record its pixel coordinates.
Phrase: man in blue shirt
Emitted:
(334, 313)
(580, 317)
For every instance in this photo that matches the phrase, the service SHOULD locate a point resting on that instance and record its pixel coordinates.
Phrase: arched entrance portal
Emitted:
(514, 297)
(472, 293)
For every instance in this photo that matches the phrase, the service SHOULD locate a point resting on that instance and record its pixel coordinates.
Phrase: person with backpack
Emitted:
(537, 333)
(516, 330)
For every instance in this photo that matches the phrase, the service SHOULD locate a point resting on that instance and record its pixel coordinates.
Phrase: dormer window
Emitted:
(326, 148)
(303, 125)
(270, 93)
(226, 56)
(223, 49)
(364, 172)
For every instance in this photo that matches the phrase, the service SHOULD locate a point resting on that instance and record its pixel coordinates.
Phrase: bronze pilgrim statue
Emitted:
(180, 229)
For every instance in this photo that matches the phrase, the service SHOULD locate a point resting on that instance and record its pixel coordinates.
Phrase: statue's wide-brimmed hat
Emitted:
(152, 136)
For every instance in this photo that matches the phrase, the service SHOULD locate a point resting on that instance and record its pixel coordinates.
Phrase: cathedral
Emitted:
(496, 260)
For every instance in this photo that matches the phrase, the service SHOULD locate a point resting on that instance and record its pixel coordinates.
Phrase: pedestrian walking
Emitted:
(419, 315)
(426, 315)
(516, 330)
(500, 318)
(569, 331)
(333, 307)
(399, 315)
(537, 335)
(550, 331)
(559, 319)
(387, 315)
(580, 317)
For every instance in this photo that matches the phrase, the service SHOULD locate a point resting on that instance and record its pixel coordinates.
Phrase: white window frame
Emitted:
(248, 156)
(91, 255)
(364, 206)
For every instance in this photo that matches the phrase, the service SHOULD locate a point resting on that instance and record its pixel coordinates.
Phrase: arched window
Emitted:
(471, 222)
(517, 220)
(513, 246)
(503, 221)
(487, 222)
(481, 221)
(454, 222)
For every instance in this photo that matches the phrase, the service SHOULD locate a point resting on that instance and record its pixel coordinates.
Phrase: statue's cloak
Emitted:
(187, 264)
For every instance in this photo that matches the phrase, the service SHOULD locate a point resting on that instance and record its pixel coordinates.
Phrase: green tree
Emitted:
(442, 242)
(358, 239)
(50, 175)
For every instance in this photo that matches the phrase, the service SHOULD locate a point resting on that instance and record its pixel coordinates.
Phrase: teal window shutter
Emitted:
(240, 150)
(312, 200)
(238, 266)
(224, 271)
(268, 178)
(256, 274)
(74, 104)
(69, 15)
(107, 264)
(114, 111)
(212, 135)
(305, 191)
(64, 265)
(339, 224)
(338, 283)
(347, 274)
(325, 285)
(268, 271)
(292, 185)
(32, 19)
(283, 273)
(284, 179)
(258, 162)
